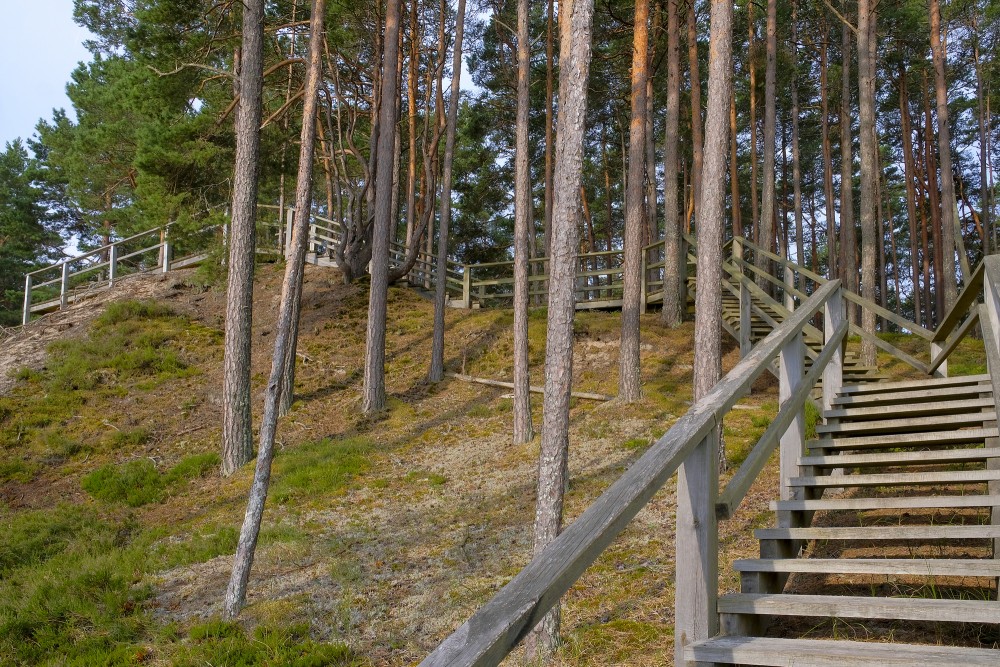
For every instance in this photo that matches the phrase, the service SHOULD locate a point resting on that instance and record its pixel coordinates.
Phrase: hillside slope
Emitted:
(380, 536)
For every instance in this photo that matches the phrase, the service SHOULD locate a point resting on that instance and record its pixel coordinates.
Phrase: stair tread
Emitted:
(881, 532)
(911, 396)
(834, 653)
(911, 423)
(956, 437)
(936, 407)
(898, 479)
(955, 567)
(916, 384)
(902, 502)
(899, 458)
(843, 606)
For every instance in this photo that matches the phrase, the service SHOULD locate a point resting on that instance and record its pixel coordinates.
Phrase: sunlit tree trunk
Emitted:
(767, 211)
(697, 140)
(950, 230)
(673, 306)
(869, 173)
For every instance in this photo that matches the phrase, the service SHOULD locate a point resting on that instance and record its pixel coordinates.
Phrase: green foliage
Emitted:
(319, 468)
(218, 642)
(135, 483)
(193, 467)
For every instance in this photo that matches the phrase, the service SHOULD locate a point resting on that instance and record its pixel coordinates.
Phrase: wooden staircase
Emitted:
(893, 522)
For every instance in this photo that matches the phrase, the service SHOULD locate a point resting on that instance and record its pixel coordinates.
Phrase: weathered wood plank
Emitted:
(903, 502)
(900, 458)
(904, 385)
(918, 567)
(837, 606)
(909, 424)
(927, 439)
(881, 533)
(933, 408)
(899, 479)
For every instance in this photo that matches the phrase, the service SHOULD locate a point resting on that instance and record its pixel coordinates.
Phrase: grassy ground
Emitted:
(381, 534)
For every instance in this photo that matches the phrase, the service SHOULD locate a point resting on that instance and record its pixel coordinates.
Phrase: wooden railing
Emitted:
(493, 631)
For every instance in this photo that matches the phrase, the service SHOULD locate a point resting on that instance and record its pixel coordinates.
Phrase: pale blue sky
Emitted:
(39, 47)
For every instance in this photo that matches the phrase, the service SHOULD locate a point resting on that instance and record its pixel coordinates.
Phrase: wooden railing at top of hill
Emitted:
(599, 279)
(497, 627)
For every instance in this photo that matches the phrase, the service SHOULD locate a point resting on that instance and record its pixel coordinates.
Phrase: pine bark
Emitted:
(550, 17)
(522, 231)
(848, 235)
(284, 341)
(734, 174)
(629, 382)
(697, 138)
(796, 166)
(767, 212)
(831, 223)
(237, 433)
(575, 18)
(950, 231)
(411, 107)
(752, 65)
(673, 271)
(373, 392)
(911, 206)
(869, 173)
(441, 277)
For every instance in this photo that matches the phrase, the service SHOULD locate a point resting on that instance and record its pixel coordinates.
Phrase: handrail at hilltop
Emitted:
(493, 631)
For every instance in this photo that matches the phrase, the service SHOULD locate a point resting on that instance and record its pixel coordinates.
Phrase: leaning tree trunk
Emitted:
(869, 173)
(767, 211)
(522, 231)
(574, 59)
(237, 434)
(950, 231)
(629, 382)
(441, 283)
(697, 477)
(673, 259)
(284, 340)
(373, 393)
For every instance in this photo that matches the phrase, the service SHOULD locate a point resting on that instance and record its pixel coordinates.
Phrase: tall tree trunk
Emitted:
(796, 167)
(373, 392)
(911, 205)
(848, 238)
(933, 197)
(629, 382)
(697, 477)
(237, 434)
(673, 260)
(752, 64)
(831, 226)
(411, 104)
(652, 233)
(734, 173)
(984, 189)
(869, 173)
(574, 65)
(767, 213)
(550, 16)
(950, 231)
(522, 231)
(697, 140)
(285, 337)
(441, 277)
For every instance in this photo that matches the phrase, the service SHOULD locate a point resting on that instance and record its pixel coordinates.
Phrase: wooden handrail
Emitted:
(489, 635)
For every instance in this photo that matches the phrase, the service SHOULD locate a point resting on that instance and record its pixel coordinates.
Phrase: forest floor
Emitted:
(381, 535)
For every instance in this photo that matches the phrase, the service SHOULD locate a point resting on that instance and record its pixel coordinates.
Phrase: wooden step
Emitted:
(842, 606)
(918, 567)
(903, 502)
(917, 409)
(901, 458)
(911, 424)
(881, 533)
(895, 397)
(898, 479)
(834, 653)
(930, 439)
(914, 385)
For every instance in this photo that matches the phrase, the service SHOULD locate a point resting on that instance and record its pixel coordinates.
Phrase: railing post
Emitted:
(113, 264)
(789, 280)
(790, 372)
(312, 243)
(746, 320)
(833, 374)
(64, 285)
(166, 250)
(26, 316)
(696, 543)
(289, 223)
(467, 286)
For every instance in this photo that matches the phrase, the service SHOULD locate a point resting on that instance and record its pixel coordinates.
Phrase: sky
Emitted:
(39, 47)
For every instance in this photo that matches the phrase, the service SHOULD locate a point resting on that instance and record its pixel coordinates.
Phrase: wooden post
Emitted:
(64, 285)
(26, 316)
(644, 284)
(789, 280)
(696, 542)
(166, 250)
(791, 369)
(746, 319)
(466, 286)
(289, 222)
(833, 375)
(313, 244)
(113, 264)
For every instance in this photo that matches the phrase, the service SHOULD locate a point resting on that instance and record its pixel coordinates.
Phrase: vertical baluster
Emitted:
(64, 286)
(113, 264)
(166, 250)
(26, 315)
